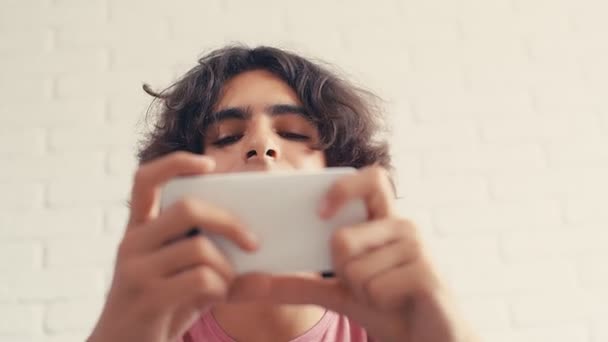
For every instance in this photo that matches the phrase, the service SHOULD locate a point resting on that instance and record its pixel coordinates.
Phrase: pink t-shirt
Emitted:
(331, 328)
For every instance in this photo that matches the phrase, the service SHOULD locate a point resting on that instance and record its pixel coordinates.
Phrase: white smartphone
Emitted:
(281, 208)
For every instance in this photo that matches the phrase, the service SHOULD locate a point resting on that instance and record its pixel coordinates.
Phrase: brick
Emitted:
(486, 20)
(508, 51)
(555, 183)
(47, 223)
(539, 309)
(81, 252)
(582, 209)
(53, 166)
(486, 159)
(555, 17)
(461, 104)
(420, 216)
(114, 84)
(116, 219)
(67, 337)
(20, 319)
(528, 277)
(87, 192)
(123, 162)
(540, 128)
(599, 329)
(18, 196)
(428, 58)
(113, 34)
(18, 141)
(148, 56)
(88, 137)
(559, 333)
(130, 111)
(548, 77)
(559, 243)
(22, 88)
(492, 218)
(62, 14)
(20, 42)
(443, 191)
(491, 77)
(595, 302)
(24, 255)
(61, 61)
(73, 315)
(593, 270)
(583, 151)
(554, 50)
(486, 313)
(457, 251)
(428, 136)
(58, 284)
(121, 11)
(407, 166)
(438, 78)
(53, 113)
(431, 21)
(567, 102)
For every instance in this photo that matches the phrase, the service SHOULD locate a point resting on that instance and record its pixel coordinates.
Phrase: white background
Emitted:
(500, 138)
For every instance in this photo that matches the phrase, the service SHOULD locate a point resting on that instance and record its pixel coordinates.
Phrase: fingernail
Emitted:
(252, 238)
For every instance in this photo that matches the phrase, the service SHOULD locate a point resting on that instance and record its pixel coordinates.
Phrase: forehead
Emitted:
(257, 89)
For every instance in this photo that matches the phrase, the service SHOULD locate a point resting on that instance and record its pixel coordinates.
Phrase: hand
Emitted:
(384, 280)
(162, 281)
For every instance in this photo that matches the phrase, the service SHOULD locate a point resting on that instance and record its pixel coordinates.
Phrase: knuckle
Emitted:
(123, 249)
(402, 224)
(340, 186)
(380, 176)
(201, 247)
(410, 238)
(186, 206)
(131, 277)
(140, 175)
(341, 242)
(203, 278)
(350, 272)
(377, 295)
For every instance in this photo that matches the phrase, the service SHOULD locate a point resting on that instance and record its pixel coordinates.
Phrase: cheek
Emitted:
(304, 157)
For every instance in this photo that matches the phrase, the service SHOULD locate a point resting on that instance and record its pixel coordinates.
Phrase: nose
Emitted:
(261, 145)
(270, 154)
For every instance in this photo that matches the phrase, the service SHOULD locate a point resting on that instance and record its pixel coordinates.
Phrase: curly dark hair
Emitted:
(347, 117)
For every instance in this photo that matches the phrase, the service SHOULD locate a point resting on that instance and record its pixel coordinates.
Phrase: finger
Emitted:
(291, 289)
(196, 288)
(359, 271)
(152, 175)
(371, 184)
(189, 253)
(178, 219)
(350, 242)
(392, 289)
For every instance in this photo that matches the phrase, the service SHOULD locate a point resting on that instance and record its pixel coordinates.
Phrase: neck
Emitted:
(266, 322)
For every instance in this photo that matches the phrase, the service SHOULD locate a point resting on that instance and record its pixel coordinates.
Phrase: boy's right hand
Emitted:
(159, 288)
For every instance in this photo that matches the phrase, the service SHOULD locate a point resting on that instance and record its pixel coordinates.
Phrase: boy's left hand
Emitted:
(384, 279)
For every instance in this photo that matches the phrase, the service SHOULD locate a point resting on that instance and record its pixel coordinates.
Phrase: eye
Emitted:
(294, 136)
(231, 139)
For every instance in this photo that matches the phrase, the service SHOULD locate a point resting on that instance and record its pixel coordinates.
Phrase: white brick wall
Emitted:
(499, 125)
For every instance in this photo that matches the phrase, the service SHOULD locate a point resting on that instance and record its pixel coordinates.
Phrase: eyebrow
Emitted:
(244, 113)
